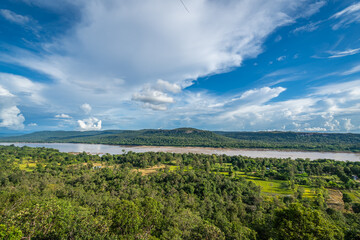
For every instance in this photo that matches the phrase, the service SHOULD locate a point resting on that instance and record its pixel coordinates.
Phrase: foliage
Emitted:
(299, 222)
(63, 196)
(194, 137)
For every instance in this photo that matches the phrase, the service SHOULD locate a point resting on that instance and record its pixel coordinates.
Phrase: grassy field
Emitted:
(273, 187)
(354, 195)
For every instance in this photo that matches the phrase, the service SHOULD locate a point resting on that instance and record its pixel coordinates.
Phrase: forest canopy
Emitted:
(46, 194)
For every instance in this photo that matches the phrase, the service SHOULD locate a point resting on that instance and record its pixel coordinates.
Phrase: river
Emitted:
(116, 149)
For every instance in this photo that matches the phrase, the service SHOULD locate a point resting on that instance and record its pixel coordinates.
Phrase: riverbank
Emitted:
(254, 153)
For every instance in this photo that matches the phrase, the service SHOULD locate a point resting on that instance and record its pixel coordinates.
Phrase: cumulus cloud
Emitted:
(348, 125)
(347, 16)
(11, 118)
(324, 109)
(89, 124)
(153, 99)
(65, 116)
(10, 115)
(156, 96)
(13, 17)
(86, 108)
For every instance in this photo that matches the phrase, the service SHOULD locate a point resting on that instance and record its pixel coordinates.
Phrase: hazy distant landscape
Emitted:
(188, 137)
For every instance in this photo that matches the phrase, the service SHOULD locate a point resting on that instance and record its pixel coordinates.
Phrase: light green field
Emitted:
(27, 164)
(174, 168)
(272, 187)
(354, 195)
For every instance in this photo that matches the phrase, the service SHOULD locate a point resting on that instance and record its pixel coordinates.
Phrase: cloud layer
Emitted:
(135, 61)
(116, 52)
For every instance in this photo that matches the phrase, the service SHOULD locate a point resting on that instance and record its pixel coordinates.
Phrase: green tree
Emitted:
(10, 233)
(298, 222)
(126, 219)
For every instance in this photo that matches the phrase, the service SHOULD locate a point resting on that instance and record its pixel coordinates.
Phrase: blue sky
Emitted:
(242, 65)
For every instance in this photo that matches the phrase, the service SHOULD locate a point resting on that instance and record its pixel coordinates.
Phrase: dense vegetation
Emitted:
(45, 194)
(195, 137)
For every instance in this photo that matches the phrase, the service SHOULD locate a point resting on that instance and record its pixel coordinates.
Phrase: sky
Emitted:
(232, 65)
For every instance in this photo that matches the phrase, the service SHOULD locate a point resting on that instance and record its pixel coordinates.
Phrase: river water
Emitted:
(116, 149)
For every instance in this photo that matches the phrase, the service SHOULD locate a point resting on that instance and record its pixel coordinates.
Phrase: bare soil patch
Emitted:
(335, 199)
(147, 171)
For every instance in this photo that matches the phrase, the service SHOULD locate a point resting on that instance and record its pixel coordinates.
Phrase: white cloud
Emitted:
(62, 116)
(347, 16)
(322, 110)
(32, 125)
(10, 115)
(86, 108)
(353, 70)
(157, 107)
(315, 129)
(11, 118)
(330, 122)
(167, 87)
(261, 95)
(153, 99)
(13, 17)
(348, 52)
(155, 96)
(281, 58)
(28, 91)
(308, 27)
(152, 96)
(348, 125)
(313, 8)
(140, 42)
(5, 93)
(89, 124)
(348, 90)
(119, 49)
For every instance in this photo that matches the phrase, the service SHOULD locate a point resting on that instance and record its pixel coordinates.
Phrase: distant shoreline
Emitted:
(210, 148)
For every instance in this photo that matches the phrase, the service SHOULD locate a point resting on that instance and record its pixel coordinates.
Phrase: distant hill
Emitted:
(201, 138)
(297, 140)
(175, 137)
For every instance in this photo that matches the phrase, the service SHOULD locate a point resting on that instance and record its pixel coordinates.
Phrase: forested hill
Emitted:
(201, 138)
(152, 137)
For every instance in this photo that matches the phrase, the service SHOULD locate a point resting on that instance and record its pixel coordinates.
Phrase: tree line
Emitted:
(65, 197)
